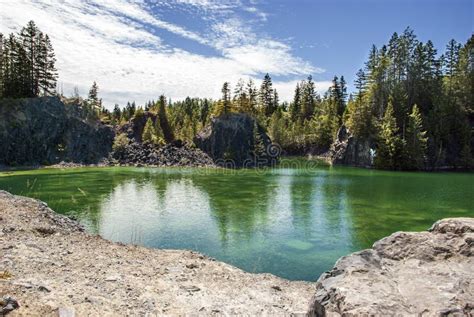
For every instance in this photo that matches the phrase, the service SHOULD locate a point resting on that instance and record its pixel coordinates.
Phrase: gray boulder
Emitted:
(406, 274)
(237, 140)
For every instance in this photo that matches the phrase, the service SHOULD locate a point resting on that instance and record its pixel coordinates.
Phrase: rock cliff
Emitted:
(237, 140)
(348, 150)
(45, 131)
(406, 274)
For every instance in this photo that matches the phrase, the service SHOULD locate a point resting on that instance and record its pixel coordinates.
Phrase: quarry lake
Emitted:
(293, 221)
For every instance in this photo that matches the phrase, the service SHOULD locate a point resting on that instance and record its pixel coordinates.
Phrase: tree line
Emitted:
(27, 64)
(413, 105)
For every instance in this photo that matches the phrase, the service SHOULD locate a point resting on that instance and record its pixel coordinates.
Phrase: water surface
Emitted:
(291, 221)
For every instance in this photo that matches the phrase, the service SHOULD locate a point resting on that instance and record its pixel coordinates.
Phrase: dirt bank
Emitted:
(50, 266)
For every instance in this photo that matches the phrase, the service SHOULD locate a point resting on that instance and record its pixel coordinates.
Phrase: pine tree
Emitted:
(226, 97)
(416, 140)
(29, 41)
(93, 96)
(164, 123)
(48, 74)
(360, 82)
(389, 143)
(276, 100)
(295, 106)
(149, 132)
(116, 114)
(258, 144)
(252, 94)
(308, 99)
(266, 96)
(205, 109)
(240, 96)
(277, 128)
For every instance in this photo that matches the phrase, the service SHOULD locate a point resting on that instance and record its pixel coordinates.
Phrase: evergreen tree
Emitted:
(116, 114)
(240, 96)
(27, 64)
(164, 123)
(266, 96)
(276, 100)
(160, 137)
(416, 140)
(295, 106)
(226, 97)
(360, 82)
(149, 132)
(252, 94)
(308, 99)
(389, 143)
(93, 98)
(277, 127)
(205, 110)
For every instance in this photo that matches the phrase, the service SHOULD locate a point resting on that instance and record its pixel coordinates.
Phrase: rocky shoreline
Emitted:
(51, 267)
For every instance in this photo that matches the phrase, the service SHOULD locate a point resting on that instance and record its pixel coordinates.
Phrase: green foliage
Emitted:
(267, 96)
(389, 145)
(149, 132)
(93, 96)
(139, 113)
(258, 144)
(120, 143)
(27, 64)
(438, 131)
(163, 119)
(225, 101)
(416, 141)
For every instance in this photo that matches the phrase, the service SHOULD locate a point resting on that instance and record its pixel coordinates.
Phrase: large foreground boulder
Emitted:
(45, 130)
(406, 274)
(237, 140)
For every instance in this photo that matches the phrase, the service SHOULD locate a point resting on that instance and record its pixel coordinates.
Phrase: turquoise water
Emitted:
(294, 221)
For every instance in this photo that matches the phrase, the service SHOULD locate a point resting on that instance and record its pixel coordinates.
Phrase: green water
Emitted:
(291, 221)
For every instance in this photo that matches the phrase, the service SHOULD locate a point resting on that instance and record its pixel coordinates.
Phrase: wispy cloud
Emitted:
(124, 46)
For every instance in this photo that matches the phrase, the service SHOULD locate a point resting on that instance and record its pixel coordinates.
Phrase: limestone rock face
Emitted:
(45, 130)
(237, 140)
(348, 150)
(417, 274)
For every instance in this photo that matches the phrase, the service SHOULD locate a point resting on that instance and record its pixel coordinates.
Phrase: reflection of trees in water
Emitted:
(302, 189)
(238, 202)
(320, 207)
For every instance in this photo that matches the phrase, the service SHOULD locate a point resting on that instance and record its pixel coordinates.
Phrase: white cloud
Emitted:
(116, 43)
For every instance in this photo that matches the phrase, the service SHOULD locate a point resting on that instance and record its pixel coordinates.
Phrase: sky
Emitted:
(137, 50)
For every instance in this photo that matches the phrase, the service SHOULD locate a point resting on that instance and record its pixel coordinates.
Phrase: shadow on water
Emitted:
(294, 221)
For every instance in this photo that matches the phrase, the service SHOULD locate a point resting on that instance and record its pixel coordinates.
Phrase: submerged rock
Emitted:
(237, 140)
(426, 273)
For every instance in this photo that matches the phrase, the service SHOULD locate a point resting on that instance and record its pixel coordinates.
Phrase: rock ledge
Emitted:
(424, 274)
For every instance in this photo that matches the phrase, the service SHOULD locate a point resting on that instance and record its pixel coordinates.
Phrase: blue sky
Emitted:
(137, 50)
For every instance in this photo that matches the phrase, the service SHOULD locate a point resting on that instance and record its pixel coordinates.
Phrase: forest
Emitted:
(413, 104)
